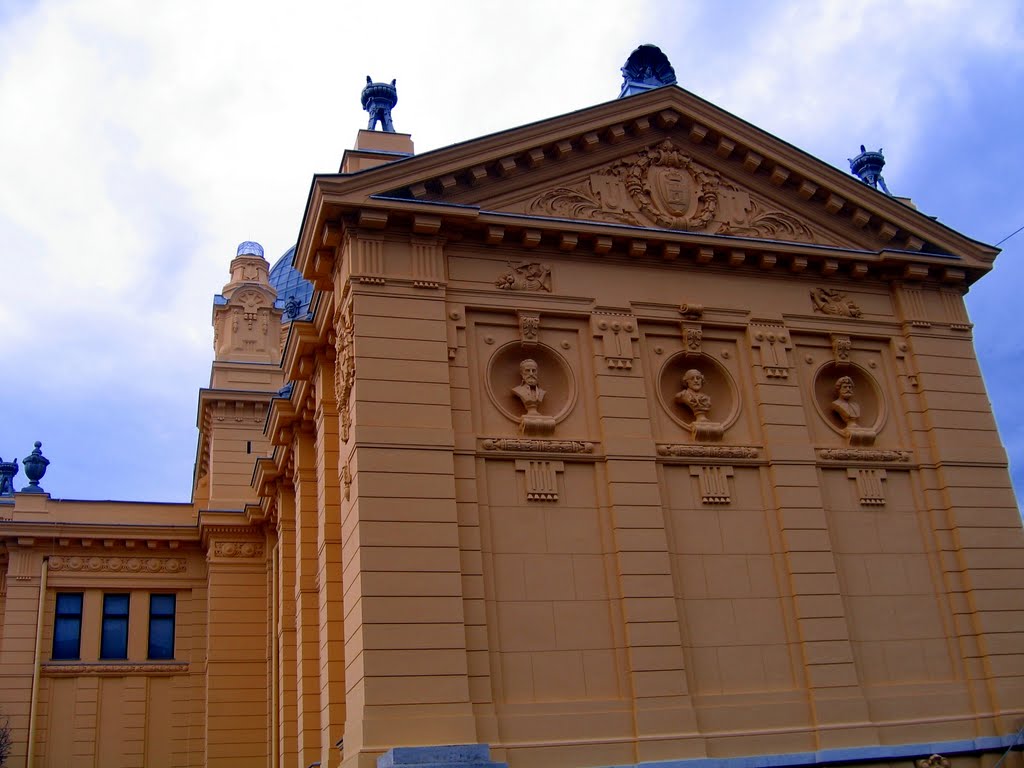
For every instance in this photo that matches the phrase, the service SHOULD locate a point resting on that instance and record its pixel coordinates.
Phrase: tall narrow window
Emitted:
(114, 636)
(161, 626)
(67, 626)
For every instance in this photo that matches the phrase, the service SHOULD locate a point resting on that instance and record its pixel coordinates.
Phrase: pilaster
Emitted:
(236, 667)
(405, 650)
(653, 644)
(840, 710)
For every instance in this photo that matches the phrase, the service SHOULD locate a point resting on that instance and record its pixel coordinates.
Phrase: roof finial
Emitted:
(646, 68)
(867, 166)
(379, 99)
(35, 465)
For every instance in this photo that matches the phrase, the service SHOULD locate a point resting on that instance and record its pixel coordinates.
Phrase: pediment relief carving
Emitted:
(663, 186)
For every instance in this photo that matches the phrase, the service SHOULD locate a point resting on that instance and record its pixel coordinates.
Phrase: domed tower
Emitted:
(247, 336)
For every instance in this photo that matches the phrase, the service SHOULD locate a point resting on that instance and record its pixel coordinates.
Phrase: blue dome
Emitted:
(294, 292)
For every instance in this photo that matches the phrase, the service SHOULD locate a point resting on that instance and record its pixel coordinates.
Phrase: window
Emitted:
(114, 637)
(67, 625)
(161, 626)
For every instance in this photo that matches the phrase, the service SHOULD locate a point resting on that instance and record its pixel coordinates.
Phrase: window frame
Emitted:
(67, 618)
(114, 627)
(162, 619)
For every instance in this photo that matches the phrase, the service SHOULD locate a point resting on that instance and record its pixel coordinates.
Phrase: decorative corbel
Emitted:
(529, 328)
(841, 348)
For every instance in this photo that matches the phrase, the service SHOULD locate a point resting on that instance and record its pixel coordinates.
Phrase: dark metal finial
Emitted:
(646, 68)
(35, 467)
(867, 166)
(8, 469)
(379, 99)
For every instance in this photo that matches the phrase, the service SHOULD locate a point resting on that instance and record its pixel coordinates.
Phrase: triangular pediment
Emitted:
(664, 160)
(663, 185)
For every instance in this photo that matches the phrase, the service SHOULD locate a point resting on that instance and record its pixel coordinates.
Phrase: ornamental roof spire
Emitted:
(645, 69)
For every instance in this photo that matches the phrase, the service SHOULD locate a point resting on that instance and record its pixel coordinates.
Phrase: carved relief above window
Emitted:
(526, 276)
(665, 187)
(829, 301)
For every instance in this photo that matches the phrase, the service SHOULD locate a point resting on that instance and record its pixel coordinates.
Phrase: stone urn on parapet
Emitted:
(531, 395)
(699, 404)
(35, 465)
(379, 99)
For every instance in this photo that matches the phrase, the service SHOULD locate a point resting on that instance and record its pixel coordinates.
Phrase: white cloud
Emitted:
(144, 141)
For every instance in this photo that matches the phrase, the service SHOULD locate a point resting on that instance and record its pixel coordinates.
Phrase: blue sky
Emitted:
(143, 142)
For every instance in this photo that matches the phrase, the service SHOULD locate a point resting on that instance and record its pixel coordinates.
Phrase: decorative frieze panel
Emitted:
(541, 478)
(689, 451)
(955, 311)
(427, 264)
(869, 486)
(113, 669)
(511, 444)
(617, 333)
(915, 309)
(864, 454)
(237, 549)
(714, 483)
(367, 259)
(100, 564)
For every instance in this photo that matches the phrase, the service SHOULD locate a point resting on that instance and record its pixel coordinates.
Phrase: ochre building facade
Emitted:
(633, 435)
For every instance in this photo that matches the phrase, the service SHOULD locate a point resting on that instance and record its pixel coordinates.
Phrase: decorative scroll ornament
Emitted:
(526, 276)
(665, 187)
(344, 366)
(98, 564)
(539, 446)
(935, 761)
(829, 301)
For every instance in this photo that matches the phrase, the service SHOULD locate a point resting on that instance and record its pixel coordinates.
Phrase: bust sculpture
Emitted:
(699, 404)
(848, 411)
(531, 395)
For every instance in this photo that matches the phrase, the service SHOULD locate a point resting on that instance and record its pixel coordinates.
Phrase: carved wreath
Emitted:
(666, 155)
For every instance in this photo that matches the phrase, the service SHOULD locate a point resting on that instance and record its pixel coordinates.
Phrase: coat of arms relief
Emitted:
(664, 187)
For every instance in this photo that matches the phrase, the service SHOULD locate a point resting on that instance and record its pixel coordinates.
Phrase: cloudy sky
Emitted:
(141, 142)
